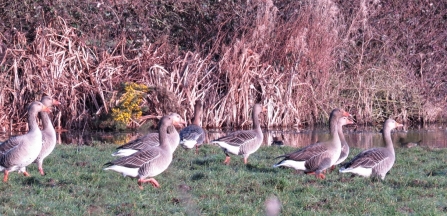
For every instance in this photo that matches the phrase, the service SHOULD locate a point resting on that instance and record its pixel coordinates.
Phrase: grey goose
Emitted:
(344, 148)
(18, 152)
(375, 162)
(193, 135)
(152, 139)
(243, 142)
(148, 162)
(48, 133)
(316, 158)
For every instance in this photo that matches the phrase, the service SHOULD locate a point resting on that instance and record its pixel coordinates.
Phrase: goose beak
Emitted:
(179, 123)
(346, 114)
(46, 109)
(56, 102)
(399, 124)
(264, 109)
(350, 121)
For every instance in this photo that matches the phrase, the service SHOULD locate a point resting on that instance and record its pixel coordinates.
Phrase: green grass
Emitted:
(75, 184)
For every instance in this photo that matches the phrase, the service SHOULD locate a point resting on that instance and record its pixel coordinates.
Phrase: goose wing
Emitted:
(150, 139)
(137, 159)
(192, 132)
(10, 144)
(306, 153)
(238, 138)
(367, 159)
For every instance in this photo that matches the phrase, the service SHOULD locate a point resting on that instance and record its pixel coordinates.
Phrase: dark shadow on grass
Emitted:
(198, 176)
(206, 161)
(437, 173)
(31, 181)
(212, 163)
(254, 168)
(55, 183)
(279, 184)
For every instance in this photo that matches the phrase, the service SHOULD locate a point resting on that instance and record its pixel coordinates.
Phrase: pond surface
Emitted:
(432, 136)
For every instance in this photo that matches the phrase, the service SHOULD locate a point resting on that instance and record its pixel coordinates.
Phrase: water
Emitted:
(433, 136)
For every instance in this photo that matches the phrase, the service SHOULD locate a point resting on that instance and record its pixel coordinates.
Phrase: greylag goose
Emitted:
(20, 151)
(193, 135)
(375, 162)
(344, 148)
(316, 158)
(48, 133)
(243, 142)
(151, 139)
(148, 162)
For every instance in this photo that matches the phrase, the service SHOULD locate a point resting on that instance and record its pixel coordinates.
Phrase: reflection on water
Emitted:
(361, 137)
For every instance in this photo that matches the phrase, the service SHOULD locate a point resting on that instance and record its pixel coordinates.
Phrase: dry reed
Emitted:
(302, 59)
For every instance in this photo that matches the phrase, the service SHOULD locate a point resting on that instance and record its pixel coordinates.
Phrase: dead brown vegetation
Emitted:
(302, 58)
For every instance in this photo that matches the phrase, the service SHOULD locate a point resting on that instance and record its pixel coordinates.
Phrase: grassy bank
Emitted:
(201, 185)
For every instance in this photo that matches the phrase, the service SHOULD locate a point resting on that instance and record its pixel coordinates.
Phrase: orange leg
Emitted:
(151, 180)
(197, 149)
(227, 160)
(41, 171)
(332, 168)
(245, 160)
(320, 176)
(310, 173)
(5, 178)
(26, 174)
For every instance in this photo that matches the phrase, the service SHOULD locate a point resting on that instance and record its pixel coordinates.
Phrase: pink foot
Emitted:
(151, 180)
(5, 177)
(41, 171)
(227, 160)
(320, 176)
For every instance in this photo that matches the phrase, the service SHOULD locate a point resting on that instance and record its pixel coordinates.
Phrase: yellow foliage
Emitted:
(130, 101)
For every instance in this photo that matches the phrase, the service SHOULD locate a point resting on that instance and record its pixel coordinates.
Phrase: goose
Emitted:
(193, 135)
(48, 133)
(148, 162)
(18, 152)
(375, 162)
(243, 142)
(152, 139)
(344, 148)
(316, 158)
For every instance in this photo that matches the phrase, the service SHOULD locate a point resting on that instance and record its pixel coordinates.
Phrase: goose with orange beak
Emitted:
(243, 142)
(18, 152)
(316, 158)
(48, 133)
(375, 162)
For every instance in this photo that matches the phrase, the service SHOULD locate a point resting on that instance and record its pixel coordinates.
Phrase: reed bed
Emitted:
(301, 58)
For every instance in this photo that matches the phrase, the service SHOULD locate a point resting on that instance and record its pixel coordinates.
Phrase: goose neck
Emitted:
(256, 124)
(333, 127)
(197, 120)
(341, 135)
(163, 134)
(32, 122)
(387, 139)
(46, 121)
